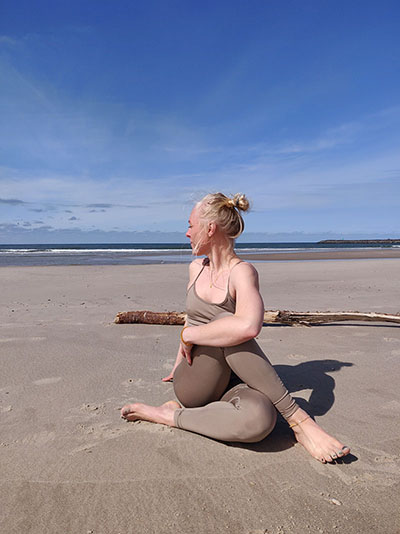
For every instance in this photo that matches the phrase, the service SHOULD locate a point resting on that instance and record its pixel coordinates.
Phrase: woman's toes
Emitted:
(126, 410)
(131, 417)
(343, 451)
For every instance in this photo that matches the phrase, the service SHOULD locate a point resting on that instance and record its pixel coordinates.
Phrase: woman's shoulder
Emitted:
(197, 264)
(243, 266)
(195, 267)
(243, 270)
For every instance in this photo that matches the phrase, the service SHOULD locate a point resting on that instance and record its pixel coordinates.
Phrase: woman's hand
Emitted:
(186, 346)
(179, 358)
(187, 352)
(170, 377)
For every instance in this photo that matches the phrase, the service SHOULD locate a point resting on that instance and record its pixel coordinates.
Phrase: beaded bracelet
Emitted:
(183, 341)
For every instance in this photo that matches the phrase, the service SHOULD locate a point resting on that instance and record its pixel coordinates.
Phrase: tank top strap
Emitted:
(206, 261)
(229, 277)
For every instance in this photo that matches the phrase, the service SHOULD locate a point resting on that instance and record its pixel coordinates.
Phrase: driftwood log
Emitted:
(286, 317)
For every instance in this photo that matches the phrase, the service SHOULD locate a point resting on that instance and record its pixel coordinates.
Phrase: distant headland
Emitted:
(360, 241)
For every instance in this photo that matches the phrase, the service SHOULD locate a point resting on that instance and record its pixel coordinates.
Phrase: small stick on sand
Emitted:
(286, 317)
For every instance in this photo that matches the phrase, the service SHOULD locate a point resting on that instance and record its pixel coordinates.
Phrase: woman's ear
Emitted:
(211, 229)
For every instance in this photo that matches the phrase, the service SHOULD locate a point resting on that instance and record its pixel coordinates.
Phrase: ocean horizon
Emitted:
(148, 253)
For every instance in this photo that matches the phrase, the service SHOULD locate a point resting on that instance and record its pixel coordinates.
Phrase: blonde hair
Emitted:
(225, 212)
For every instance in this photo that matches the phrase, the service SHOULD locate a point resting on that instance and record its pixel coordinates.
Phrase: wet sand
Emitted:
(326, 255)
(70, 465)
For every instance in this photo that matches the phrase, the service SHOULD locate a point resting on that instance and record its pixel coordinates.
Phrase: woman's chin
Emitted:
(201, 251)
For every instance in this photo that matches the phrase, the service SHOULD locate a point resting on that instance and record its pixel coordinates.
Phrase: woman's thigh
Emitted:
(205, 380)
(243, 414)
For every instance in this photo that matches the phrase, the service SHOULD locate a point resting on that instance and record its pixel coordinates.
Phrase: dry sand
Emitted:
(70, 465)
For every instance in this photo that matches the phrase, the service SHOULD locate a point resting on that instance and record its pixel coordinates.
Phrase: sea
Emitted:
(149, 253)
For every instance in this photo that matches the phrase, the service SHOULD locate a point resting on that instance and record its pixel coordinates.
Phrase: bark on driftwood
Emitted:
(149, 317)
(279, 316)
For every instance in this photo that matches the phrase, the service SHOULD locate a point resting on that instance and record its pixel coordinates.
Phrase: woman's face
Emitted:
(197, 233)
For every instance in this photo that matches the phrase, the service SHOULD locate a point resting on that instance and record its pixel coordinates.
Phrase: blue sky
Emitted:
(116, 115)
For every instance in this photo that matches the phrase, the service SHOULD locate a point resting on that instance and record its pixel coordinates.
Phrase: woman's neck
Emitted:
(221, 256)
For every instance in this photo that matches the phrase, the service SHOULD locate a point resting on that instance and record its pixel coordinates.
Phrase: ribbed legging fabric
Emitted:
(245, 412)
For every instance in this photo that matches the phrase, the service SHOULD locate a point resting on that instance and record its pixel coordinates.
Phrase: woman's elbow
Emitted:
(251, 331)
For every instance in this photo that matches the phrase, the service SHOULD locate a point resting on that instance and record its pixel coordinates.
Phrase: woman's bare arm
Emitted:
(247, 321)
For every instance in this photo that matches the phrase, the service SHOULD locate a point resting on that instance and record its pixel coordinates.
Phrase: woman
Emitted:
(226, 387)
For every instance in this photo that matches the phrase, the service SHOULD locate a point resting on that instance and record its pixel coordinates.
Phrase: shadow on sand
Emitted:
(312, 375)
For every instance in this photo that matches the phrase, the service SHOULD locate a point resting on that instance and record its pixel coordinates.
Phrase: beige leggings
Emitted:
(245, 412)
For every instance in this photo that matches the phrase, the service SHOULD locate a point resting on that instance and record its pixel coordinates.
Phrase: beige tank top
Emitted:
(200, 311)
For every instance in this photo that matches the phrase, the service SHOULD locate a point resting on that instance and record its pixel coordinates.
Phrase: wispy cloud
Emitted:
(332, 138)
(99, 205)
(11, 201)
(5, 39)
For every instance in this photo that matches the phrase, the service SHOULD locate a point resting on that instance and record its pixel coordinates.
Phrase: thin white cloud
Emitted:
(5, 39)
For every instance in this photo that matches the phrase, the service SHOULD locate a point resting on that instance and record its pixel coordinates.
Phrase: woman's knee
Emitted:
(257, 416)
(260, 426)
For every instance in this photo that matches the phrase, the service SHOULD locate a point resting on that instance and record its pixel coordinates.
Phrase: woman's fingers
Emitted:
(188, 355)
(168, 378)
(187, 352)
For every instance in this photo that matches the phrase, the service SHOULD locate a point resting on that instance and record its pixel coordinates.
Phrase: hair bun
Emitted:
(225, 212)
(240, 202)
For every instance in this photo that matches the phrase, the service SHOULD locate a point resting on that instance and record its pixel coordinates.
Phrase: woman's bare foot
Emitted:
(163, 414)
(316, 441)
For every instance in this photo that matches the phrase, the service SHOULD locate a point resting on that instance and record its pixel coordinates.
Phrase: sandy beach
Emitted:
(70, 465)
(359, 254)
